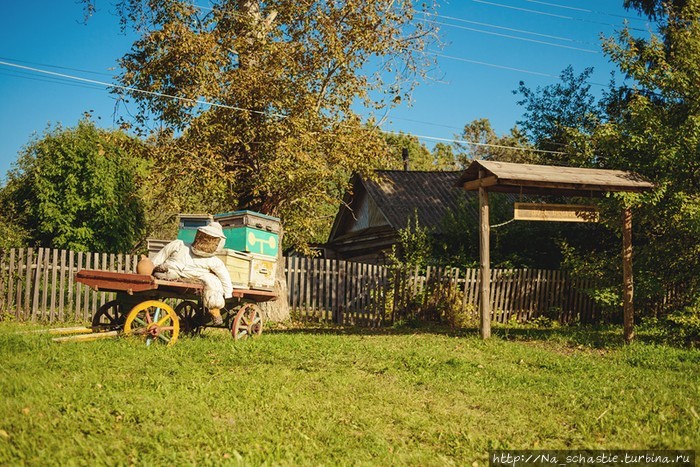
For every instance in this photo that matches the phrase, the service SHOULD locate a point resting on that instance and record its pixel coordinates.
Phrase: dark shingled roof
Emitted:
(399, 194)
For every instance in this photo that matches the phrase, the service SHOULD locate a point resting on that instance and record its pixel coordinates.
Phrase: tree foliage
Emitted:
(482, 142)
(649, 124)
(77, 188)
(654, 129)
(444, 157)
(260, 95)
(561, 118)
(419, 156)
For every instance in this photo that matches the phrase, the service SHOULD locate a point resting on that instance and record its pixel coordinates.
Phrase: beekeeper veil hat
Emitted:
(213, 230)
(208, 240)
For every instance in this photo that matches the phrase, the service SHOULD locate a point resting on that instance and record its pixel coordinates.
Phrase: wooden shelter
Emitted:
(505, 177)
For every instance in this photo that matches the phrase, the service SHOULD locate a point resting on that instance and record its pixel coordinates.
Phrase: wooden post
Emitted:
(627, 283)
(485, 259)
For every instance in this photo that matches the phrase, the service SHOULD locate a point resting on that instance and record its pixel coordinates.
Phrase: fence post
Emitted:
(37, 278)
(11, 282)
(340, 318)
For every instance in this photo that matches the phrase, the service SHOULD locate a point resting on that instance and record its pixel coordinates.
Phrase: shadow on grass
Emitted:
(592, 336)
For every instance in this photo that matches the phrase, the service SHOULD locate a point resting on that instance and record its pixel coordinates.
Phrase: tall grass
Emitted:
(338, 397)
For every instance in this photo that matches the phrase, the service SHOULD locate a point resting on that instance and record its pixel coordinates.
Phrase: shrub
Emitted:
(684, 325)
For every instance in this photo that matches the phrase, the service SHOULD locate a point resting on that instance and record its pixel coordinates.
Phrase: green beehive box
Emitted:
(252, 240)
(250, 231)
(188, 225)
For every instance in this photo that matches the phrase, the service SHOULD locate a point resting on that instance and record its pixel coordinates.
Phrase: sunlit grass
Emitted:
(327, 396)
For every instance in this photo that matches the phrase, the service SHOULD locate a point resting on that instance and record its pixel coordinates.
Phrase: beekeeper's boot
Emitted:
(216, 316)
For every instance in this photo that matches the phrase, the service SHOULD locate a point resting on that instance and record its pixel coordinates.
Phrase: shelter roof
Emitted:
(509, 177)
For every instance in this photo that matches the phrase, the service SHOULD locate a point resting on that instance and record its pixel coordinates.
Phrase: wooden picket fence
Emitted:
(355, 293)
(38, 284)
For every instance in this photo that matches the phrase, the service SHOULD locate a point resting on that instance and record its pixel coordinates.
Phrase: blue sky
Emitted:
(493, 44)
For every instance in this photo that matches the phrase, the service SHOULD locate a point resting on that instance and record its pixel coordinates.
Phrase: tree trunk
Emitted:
(627, 281)
(278, 310)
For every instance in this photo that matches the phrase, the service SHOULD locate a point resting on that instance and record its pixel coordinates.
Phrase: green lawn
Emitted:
(325, 396)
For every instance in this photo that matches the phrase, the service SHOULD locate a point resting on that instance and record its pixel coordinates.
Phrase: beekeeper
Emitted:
(178, 260)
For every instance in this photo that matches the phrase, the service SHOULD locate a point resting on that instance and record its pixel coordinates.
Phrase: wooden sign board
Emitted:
(556, 212)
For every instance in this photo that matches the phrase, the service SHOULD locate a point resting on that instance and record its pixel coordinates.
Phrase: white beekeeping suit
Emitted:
(178, 260)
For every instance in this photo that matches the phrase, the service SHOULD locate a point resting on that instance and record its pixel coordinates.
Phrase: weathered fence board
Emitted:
(348, 292)
(38, 284)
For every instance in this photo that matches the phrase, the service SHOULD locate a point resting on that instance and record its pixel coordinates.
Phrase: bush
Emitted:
(684, 325)
(454, 312)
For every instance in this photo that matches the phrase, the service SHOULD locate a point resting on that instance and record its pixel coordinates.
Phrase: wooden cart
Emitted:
(139, 308)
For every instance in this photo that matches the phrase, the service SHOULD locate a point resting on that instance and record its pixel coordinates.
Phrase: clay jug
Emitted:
(145, 266)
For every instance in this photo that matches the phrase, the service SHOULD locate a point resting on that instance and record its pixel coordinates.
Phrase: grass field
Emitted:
(340, 396)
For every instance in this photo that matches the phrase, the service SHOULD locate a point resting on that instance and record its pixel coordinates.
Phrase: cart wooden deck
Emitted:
(139, 310)
(106, 281)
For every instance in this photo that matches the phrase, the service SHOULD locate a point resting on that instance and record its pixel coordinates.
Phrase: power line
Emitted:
(474, 143)
(553, 15)
(133, 89)
(492, 65)
(56, 66)
(495, 26)
(508, 36)
(584, 10)
(451, 127)
(85, 80)
(14, 74)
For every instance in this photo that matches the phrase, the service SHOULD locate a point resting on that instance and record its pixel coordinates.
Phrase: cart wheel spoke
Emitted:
(109, 317)
(190, 315)
(163, 321)
(142, 322)
(248, 322)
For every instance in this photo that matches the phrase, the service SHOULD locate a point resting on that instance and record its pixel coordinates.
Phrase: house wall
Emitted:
(366, 213)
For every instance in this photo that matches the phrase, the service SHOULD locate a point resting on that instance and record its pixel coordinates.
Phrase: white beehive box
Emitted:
(263, 270)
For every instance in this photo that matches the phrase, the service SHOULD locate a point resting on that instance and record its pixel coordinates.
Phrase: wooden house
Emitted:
(376, 208)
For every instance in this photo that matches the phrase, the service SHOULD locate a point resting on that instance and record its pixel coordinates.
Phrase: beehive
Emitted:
(263, 269)
(250, 231)
(188, 225)
(238, 265)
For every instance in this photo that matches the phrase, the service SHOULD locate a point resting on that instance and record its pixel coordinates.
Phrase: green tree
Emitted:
(419, 156)
(12, 233)
(649, 124)
(654, 128)
(654, 9)
(561, 118)
(444, 157)
(76, 188)
(261, 95)
(482, 142)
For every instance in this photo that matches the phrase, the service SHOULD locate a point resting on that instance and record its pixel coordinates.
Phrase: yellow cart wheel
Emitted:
(153, 321)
